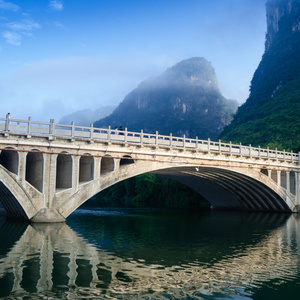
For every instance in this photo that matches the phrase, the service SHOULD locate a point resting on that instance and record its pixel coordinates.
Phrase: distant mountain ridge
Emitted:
(184, 100)
(86, 117)
(271, 114)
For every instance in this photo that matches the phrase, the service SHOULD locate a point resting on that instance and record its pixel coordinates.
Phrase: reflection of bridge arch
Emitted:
(69, 166)
(48, 250)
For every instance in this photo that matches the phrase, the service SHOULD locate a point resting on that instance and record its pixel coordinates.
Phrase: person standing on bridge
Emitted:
(7, 122)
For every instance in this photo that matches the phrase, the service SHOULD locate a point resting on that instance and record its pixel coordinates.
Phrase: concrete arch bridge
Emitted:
(47, 170)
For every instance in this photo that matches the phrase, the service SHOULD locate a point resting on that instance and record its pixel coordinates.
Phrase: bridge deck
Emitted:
(50, 130)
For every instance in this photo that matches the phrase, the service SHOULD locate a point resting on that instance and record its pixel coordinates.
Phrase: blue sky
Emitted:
(59, 56)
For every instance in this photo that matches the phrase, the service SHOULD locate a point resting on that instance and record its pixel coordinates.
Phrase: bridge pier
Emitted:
(48, 215)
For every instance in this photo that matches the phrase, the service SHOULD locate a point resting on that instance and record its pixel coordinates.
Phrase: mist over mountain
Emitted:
(184, 100)
(86, 117)
(271, 114)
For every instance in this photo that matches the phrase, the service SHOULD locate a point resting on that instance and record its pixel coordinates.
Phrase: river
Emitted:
(152, 254)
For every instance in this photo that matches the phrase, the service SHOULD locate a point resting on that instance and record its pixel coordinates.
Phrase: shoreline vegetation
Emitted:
(149, 191)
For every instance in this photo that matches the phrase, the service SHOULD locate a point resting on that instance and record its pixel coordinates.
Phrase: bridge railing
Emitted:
(51, 130)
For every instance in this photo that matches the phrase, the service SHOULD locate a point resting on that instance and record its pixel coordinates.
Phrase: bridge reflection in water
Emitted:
(52, 260)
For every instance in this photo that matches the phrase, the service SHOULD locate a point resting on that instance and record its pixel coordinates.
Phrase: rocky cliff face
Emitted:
(271, 114)
(184, 100)
(277, 10)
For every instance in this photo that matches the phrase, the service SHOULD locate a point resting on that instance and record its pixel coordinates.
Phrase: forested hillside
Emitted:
(271, 115)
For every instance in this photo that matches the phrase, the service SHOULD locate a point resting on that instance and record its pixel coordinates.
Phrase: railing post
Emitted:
(208, 144)
(250, 150)
(240, 149)
(276, 153)
(230, 147)
(220, 146)
(29, 126)
(156, 137)
(91, 131)
(51, 129)
(72, 129)
(292, 155)
(283, 154)
(142, 137)
(184, 141)
(125, 136)
(299, 156)
(268, 152)
(171, 140)
(258, 150)
(197, 148)
(109, 134)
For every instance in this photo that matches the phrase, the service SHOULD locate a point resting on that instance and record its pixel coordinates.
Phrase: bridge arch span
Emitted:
(231, 188)
(222, 188)
(14, 198)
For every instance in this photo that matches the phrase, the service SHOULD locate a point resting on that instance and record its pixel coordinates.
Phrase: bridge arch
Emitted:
(126, 160)
(231, 188)
(35, 169)
(14, 198)
(9, 159)
(107, 164)
(223, 188)
(64, 168)
(86, 168)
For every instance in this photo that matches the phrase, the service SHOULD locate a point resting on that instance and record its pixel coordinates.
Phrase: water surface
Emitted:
(152, 254)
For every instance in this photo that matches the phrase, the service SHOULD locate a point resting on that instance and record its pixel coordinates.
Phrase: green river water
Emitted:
(152, 254)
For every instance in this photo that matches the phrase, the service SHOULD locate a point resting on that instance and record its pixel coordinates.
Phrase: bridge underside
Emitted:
(11, 205)
(225, 189)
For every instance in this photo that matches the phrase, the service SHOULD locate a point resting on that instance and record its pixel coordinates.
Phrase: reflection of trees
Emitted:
(52, 260)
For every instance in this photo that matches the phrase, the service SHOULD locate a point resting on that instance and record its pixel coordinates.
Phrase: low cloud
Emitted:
(54, 88)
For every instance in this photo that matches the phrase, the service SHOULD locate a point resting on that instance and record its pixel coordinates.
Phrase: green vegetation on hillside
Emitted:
(149, 190)
(271, 115)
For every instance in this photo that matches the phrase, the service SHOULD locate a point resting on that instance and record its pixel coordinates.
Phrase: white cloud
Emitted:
(12, 38)
(26, 25)
(56, 5)
(8, 6)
